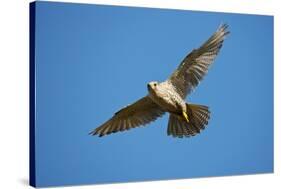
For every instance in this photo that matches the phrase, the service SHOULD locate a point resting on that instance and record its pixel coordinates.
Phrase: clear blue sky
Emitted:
(93, 60)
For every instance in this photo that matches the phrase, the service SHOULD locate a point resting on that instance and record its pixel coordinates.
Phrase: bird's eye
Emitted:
(155, 84)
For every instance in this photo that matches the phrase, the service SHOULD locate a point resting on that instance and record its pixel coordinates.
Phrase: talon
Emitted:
(185, 116)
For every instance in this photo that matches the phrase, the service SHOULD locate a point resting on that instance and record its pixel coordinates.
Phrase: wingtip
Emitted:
(92, 133)
(224, 27)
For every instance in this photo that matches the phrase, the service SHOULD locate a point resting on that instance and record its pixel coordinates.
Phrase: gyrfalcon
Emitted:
(185, 119)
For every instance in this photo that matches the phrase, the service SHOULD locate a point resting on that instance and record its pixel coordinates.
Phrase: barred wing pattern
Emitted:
(139, 113)
(195, 65)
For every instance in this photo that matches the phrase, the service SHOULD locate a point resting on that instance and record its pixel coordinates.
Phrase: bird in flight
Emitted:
(185, 119)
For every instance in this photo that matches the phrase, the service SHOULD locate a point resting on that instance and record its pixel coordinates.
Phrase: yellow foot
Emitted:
(185, 116)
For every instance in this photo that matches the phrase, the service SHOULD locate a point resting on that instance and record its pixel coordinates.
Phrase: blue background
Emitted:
(92, 60)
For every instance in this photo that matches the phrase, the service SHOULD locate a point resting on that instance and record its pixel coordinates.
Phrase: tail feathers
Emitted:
(199, 116)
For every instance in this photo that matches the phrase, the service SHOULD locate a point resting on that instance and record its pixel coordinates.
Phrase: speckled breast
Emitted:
(167, 98)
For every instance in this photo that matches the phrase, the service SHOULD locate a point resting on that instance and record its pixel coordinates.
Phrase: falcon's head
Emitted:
(152, 85)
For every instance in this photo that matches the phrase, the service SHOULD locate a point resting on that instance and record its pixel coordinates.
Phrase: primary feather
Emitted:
(195, 65)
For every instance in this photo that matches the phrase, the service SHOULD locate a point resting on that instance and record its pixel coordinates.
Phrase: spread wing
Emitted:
(195, 65)
(139, 113)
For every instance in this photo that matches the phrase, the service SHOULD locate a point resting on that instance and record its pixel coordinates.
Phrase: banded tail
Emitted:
(198, 116)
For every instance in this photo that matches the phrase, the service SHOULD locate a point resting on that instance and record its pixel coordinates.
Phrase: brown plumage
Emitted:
(169, 96)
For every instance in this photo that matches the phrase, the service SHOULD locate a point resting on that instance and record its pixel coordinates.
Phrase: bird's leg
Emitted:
(185, 116)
